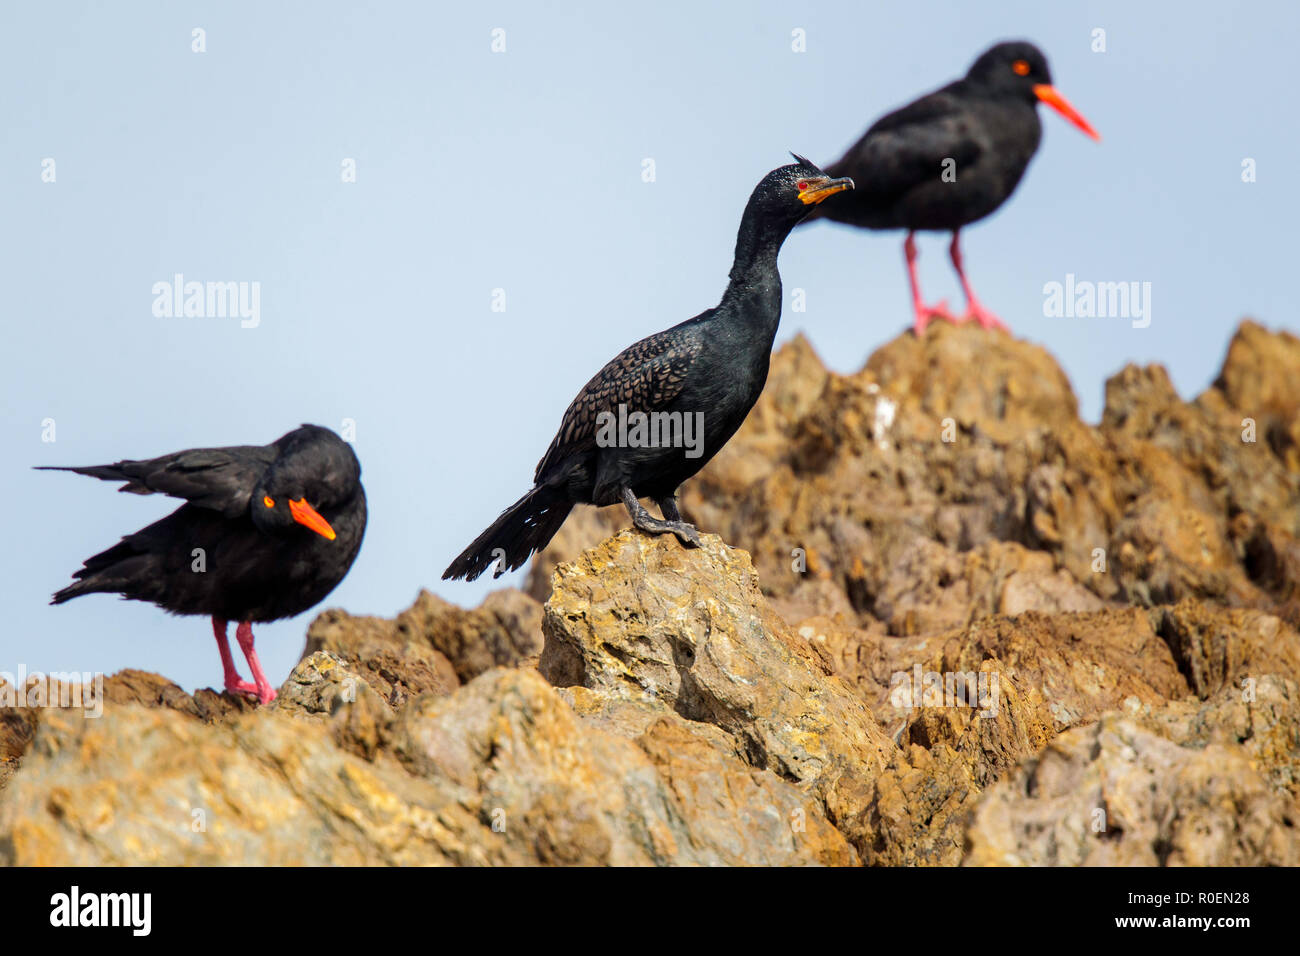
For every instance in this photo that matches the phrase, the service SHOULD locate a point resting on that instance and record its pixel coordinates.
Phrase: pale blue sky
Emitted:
(522, 171)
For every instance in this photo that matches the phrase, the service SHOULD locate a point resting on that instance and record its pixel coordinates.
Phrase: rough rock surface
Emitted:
(446, 644)
(501, 771)
(640, 617)
(1111, 794)
(937, 619)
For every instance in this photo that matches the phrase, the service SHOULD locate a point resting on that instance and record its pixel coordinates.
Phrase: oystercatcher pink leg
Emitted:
(924, 313)
(244, 634)
(973, 308)
(233, 682)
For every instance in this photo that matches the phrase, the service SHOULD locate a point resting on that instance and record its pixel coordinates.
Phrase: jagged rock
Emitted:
(1261, 720)
(434, 643)
(641, 615)
(1221, 647)
(499, 771)
(505, 630)
(1258, 379)
(1112, 794)
(396, 663)
(17, 727)
(504, 774)
(732, 808)
(151, 690)
(908, 485)
(140, 786)
(918, 812)
(19, 721)
(1051, 671)
(561, 791)
(585, 528)
(1002, 386)
(323, 687)
(1184, 472)
(632, 717)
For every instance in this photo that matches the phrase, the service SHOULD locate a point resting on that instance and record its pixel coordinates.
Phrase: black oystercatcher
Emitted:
(663, 407)
(951, 158)
(266, 532)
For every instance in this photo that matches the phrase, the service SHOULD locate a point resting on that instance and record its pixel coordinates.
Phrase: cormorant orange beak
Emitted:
(819, 188)
(307, 516)
(1047, 93)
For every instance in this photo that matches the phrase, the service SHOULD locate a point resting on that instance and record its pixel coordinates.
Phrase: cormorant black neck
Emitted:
(755, 282)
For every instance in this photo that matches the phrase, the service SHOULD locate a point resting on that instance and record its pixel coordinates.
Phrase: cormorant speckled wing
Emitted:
(645, 376)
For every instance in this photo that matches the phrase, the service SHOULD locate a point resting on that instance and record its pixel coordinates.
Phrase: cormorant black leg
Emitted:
(647, 522)
(668, 505)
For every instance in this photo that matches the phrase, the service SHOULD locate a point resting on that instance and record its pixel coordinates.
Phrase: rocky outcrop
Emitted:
(641, 618)
(152, 786)
(565, 791)
(355, 763)
(501, 771)
(17, 727)
(937, 620)
(951, 479)
(1111, 794)
(446, 644)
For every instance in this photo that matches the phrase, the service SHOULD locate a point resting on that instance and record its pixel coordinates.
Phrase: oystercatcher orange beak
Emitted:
(308, 517)
(1048, 94)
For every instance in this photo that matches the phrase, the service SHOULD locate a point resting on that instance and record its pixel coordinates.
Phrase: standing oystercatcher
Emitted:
(266, 532)
(951, 158)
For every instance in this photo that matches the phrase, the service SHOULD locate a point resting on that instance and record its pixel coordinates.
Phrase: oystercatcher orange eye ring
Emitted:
(1021, 67)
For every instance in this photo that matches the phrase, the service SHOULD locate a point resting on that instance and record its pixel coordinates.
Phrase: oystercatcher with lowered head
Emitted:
(265, 533)
(951, 158)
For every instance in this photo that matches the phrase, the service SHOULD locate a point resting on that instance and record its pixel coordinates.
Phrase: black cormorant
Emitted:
(663, 407)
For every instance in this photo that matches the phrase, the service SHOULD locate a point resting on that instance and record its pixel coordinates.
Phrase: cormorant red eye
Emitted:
(1021, 67)
(802, 184)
